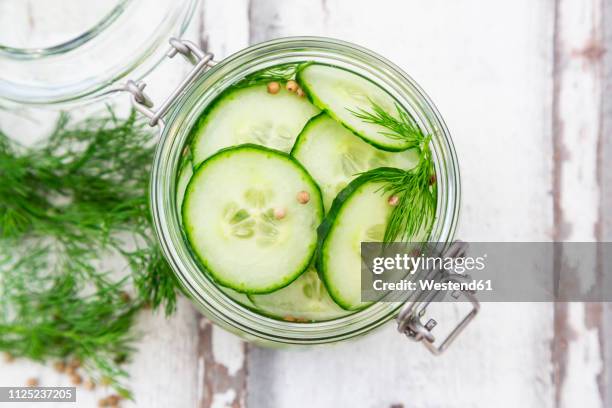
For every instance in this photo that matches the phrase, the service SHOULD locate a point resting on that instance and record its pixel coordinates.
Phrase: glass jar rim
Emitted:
(70, 44)
(210, 299)
(89, 65)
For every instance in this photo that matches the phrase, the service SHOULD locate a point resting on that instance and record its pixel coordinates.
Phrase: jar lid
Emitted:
(57, 51)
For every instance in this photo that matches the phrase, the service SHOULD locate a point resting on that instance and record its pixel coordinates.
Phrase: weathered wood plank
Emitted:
(225, 26)
(165, 358)
(222, 357)
(167, 353)
(605, 172)
(577, 142)
(487, 65)
(223, 368)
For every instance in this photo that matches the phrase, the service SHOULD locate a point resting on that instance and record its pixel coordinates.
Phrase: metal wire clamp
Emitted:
(410, 318)
(201, 61)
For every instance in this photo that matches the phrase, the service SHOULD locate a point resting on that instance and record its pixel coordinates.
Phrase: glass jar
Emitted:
(196, 95)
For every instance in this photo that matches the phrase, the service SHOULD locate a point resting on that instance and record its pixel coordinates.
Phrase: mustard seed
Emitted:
(292, 86)
(303, 197)
(273, 88)
(59, 366)
(76, 379)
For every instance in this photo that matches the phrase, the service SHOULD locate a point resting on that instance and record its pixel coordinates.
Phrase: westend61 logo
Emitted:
(497, 271)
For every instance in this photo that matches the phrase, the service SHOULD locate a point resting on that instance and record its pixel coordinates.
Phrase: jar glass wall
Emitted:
(211, 300)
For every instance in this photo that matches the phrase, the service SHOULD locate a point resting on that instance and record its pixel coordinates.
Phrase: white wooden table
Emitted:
(522, 86)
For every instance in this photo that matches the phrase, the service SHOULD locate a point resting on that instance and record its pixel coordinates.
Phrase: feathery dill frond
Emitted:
(403, 127)
(415, 189)
(277, 73)
(65, 205)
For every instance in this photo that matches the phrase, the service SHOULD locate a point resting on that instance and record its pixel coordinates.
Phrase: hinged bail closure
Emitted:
(143, 104)
(409, 318)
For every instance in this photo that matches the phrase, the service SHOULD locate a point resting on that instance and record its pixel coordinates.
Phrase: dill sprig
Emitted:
(278, 73)
(415, 190)
(66, 206)
(56, 314)
(403, 127)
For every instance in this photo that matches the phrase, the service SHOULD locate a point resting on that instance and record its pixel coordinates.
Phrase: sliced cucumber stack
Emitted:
(266, 163)
(334, 155)
(251, 115)
(305, 299)
(250, 214)
(341, 93)
(359, 214)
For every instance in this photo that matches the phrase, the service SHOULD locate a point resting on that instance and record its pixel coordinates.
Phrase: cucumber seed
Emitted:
(280, 213)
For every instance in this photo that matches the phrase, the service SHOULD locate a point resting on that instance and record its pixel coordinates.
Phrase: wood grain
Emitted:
(224, 369)
(577, 349)
(605, 178)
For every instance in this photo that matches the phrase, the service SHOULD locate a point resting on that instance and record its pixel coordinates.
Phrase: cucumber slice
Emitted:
(237, 297)
(244, 222)
(359, 214)
(305, 299)
(334, 156)
(183, 180)
(339, 92)
(251, 115)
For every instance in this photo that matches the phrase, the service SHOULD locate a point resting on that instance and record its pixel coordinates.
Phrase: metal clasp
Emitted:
(411, 316)
(200, 59)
